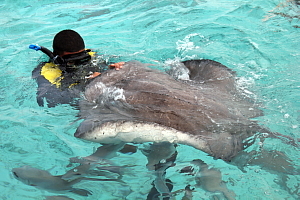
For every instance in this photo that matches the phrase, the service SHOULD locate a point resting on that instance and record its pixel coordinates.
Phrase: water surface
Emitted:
(255, 38)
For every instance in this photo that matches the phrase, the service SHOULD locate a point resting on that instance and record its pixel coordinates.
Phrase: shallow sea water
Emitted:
(262, 47)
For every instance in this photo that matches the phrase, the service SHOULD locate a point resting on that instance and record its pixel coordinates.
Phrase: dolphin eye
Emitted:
(15, 174)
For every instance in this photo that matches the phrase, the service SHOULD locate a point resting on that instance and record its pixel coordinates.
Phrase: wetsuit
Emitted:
(58, 84)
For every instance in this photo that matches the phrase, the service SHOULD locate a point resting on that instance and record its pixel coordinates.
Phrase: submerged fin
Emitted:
(210, 71)
(128, 149)
(81, 192)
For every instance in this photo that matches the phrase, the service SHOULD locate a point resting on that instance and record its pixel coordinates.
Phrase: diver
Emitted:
(70, 68)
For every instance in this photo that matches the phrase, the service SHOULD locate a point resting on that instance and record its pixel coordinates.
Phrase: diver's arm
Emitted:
(41, 82)
(44, 86)
(49, 95)
(44, 89)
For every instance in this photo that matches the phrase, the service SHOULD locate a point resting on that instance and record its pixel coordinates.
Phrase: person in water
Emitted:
(70, 68)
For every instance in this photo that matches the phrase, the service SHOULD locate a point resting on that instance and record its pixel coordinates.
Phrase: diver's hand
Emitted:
(117, 66)
(93, 75)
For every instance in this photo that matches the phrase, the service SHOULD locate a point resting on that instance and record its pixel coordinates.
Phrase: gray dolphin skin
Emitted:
(138, 104)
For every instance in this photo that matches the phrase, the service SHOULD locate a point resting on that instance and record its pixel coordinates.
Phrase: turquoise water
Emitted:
(262, 47)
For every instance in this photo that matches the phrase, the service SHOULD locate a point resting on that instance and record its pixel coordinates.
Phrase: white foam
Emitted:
(108, 93)
(243, 83)
(177, 69)
(186, 44)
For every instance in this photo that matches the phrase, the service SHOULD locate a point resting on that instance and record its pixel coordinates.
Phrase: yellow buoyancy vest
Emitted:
(53, 73)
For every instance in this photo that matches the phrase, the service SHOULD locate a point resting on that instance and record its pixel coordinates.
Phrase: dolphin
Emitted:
(139, 104)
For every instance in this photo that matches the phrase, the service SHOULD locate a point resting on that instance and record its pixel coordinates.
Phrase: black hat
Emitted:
(67, 41)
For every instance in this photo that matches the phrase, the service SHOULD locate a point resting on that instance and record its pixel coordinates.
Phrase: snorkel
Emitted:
(43, 49)
(77, 58)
